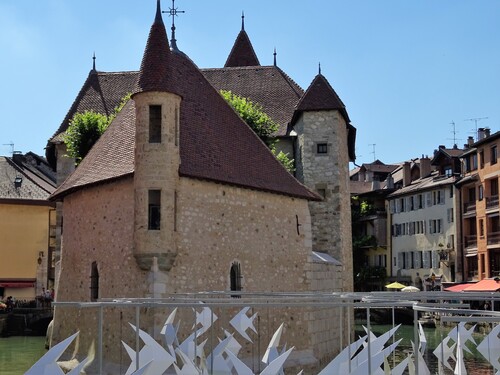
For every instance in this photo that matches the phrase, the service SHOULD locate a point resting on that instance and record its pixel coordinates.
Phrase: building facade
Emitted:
(423, 226)
(480, 208)
(179, 195)
(27, 226)
(370, 184)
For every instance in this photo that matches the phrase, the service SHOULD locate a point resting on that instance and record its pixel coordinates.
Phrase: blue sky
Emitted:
(404, 69)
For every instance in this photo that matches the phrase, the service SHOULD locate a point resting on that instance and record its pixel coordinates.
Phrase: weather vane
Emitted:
(173, 12)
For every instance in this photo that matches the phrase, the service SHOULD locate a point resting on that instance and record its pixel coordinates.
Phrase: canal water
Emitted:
(474, 363)
(18, 354)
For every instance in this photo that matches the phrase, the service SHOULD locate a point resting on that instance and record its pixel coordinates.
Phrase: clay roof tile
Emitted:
(242, 53)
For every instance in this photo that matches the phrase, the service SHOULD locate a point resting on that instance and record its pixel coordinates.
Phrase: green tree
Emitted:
(85, 129)
(263, 125)
(83, 132)
(252, 114)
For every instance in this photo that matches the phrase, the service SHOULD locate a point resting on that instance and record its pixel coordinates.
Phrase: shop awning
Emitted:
(457, 287)
(485, 285)
(17, 284)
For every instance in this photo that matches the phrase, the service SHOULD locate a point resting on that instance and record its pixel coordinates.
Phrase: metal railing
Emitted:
(493, 238)
(471, 241)
(492, 202)
(445, 306)
(469, 207)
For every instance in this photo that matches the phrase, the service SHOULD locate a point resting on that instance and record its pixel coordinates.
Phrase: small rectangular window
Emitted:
(322, 148)
(494, 187)
(155, 124)
(176, 126)
(322, 193)
(154, 205)
(494, 155)
(450, 215)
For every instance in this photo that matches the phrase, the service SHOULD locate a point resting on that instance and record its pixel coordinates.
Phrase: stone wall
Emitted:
(65, 166)
(216, 226)
(156, 168)
(325, 326)
(328, 175)
(98, 227)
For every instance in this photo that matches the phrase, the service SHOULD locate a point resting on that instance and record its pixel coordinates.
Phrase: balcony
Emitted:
(472, 275)
(492, 202)
(493, 238)
(469, 207)
(471, 241)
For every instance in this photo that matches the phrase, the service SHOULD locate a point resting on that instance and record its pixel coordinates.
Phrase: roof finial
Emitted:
(158, 12)
(274, 54)
(242, 20)
(172, 12)
(93, 62)
(319, 68)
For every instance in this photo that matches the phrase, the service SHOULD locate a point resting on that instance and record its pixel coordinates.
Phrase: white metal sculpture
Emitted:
(241, 322)
(47, 365)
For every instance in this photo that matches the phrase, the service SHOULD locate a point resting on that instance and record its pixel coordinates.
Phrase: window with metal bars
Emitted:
(236, 278)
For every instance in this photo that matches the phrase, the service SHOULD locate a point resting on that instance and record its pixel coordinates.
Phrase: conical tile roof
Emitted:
(154, 73)
(242, 53)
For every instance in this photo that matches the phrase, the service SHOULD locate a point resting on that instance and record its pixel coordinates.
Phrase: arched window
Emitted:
(236, 278)
(94, 282)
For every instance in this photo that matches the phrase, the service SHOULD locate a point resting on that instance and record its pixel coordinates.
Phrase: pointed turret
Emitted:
(154, 73)
(324, 147)
(242, 53)
(321, 96)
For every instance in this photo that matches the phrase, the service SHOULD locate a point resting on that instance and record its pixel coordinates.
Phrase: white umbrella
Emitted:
(410, 289)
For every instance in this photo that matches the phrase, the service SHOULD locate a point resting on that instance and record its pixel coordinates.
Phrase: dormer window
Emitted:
(155, 124)
(18, 181)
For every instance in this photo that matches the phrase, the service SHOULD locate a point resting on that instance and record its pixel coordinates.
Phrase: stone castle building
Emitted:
(179, 195)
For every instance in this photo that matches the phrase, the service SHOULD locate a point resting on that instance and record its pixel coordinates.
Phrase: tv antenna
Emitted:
(476, 119)
(373, 152)
(454, 131)
(11, 144)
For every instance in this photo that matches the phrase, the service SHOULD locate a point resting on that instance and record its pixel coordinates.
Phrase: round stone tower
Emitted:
(157, 160)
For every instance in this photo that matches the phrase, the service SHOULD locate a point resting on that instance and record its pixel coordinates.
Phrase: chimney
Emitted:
(362, 176)
(480, 134)
(487, 132)
(389, 182)
(425, 166)
(406, 174)
(369, 176)
(375, 185)
(470, 141)
(18, 157)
